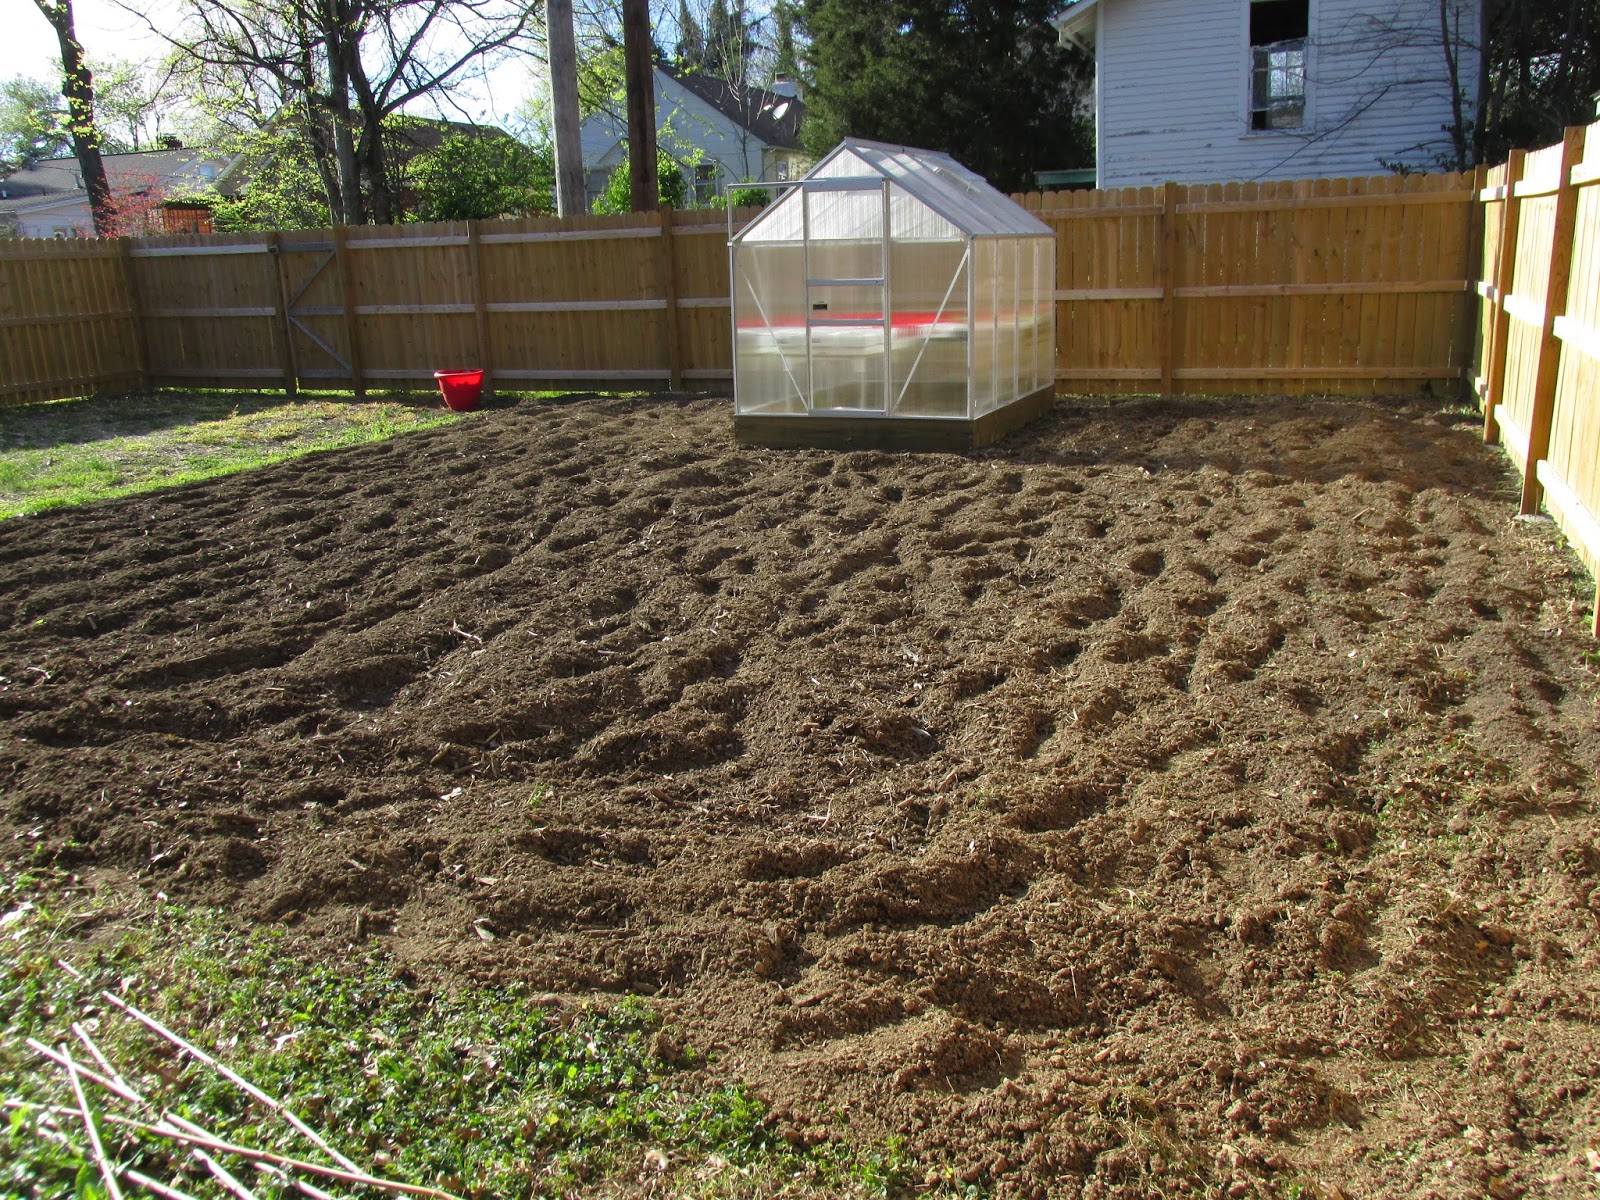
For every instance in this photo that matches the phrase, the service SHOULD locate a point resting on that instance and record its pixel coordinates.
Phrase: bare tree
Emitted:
(343, 66)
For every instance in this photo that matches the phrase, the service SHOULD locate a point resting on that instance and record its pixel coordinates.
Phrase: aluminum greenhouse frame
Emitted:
(891, 298)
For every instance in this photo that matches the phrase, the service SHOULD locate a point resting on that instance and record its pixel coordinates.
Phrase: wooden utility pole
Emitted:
(636, 49)
(564, 107)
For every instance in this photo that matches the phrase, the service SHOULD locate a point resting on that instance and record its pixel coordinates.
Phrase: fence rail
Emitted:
(1331, 285)
(1537, 366)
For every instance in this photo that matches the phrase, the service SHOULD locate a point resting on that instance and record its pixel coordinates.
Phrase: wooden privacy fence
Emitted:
(1538, 360)
(67, 322)
(610, 301)
(1328, 285)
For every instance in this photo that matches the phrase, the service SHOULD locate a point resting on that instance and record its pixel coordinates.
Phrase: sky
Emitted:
(110, 31)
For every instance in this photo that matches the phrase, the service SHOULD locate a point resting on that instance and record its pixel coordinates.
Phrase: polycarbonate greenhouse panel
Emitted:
(947, 187)
(984, 352)
(928, 295)
(891, 288)
(772, 373)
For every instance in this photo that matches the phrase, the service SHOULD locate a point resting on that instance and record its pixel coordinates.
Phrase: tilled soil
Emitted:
(1180, 797)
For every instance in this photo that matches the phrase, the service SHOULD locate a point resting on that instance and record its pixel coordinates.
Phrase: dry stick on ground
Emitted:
(111, 1071)
(226, 1072)
(122, 1089)
(232, 1077)
(44, 1051)
(154, 1186)
(294, 1181)
(226, 1180)
(107, 1172)
(138, 1178)
(222, 1175)
(106, 1066)
(169, 1124)
(280, 1160)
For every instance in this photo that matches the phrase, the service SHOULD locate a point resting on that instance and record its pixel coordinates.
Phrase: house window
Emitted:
(783, 170)
(705, 184)
(1278, 34)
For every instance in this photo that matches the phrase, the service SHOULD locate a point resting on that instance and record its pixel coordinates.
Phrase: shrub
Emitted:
(618, 196)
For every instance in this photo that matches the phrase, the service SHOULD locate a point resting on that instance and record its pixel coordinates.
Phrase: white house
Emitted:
(722, 135)
(1199, 91)
(48, 199)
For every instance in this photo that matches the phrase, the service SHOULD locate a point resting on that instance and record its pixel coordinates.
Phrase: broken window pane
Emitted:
(1278, 85)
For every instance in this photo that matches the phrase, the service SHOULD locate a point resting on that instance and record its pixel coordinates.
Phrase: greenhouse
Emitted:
(891, 299)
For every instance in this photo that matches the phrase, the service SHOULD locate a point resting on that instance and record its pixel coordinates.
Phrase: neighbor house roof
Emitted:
(773, 118)
(59, 180)
(1075, 23)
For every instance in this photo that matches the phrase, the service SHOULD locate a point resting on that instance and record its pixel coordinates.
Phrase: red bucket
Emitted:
(461, 389)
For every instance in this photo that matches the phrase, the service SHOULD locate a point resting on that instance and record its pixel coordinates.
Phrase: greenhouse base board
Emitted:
(796, 432)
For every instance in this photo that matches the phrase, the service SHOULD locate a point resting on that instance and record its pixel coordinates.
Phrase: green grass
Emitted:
(478, 1091)
(74, 451)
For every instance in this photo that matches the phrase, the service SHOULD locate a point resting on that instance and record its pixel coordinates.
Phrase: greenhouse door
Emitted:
(848, 326)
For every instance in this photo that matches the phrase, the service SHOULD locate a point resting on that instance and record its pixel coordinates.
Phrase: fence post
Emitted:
(1166, 348)
(1477, 231)
(1555, 305)
(347, 305)
(1494, 370)
(480, 311)
(130, 284)
(669, 288)
(291, 383)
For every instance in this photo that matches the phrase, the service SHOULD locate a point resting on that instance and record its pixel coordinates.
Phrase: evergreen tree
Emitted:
(691, 51)
(786, 58)
(1541, 72)
(986, 83)
(728, 42)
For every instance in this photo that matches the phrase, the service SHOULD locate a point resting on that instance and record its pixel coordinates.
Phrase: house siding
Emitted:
(685, 124)
(1172, 90)
(70, 218)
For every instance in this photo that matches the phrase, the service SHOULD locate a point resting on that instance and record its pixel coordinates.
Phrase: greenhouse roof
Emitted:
(967, 203)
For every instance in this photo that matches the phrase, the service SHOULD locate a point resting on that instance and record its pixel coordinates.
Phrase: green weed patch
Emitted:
(74, 451)
(480, 1093)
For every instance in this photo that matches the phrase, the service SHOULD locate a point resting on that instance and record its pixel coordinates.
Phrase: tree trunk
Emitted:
(1480, 121)
(380, 189)
(570, 193)
(641, 105)
(318, 135)
(371, 151)
(344, 146)
(78, 87)
(1451, 41)
(322, 154)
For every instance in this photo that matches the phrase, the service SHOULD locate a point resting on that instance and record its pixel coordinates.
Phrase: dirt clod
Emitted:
(1174, 775)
